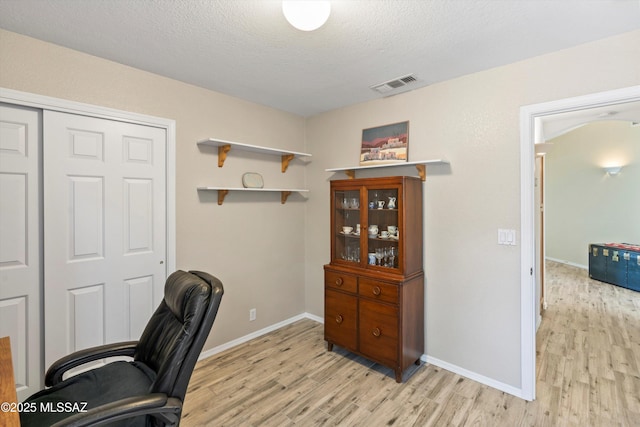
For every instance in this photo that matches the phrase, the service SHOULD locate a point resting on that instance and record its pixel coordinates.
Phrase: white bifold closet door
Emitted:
(20, 244)
(104, 230)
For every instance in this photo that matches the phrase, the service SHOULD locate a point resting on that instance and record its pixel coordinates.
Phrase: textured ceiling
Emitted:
(245, 48)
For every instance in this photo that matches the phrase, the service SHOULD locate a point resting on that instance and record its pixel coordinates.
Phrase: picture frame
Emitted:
(386, 144)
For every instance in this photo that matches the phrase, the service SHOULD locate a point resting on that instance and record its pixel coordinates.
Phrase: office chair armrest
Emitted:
(59, 367)
(157, 404)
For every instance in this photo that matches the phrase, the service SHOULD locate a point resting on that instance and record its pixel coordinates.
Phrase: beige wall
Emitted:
(472, 284)
(252, 243)
(270, 256)
(583, 204)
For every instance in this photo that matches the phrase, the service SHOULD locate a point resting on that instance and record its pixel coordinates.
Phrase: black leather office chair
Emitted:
(148, 391)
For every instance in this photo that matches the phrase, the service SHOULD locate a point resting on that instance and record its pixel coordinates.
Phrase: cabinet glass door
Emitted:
(347, 225)
(383, 232)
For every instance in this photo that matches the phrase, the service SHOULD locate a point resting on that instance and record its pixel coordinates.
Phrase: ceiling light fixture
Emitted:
(306, 15)
(612, 170)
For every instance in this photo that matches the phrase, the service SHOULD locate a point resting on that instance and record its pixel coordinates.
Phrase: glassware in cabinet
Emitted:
(346, 225)
(383, 229)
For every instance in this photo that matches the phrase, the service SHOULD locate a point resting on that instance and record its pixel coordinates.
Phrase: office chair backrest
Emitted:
(177, 331)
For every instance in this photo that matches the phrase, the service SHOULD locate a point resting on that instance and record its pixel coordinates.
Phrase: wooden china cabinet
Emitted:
(374, 285)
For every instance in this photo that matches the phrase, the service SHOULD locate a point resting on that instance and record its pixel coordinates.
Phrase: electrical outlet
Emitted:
(252, 314)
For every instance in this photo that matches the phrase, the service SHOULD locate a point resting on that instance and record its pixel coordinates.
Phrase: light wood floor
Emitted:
(587, 366)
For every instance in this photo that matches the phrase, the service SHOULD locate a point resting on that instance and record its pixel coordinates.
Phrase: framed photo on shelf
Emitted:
(385, 144)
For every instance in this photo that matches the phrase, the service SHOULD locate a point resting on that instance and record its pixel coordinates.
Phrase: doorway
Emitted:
(531, 132)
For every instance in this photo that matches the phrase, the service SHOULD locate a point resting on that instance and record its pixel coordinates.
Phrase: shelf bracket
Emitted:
(221, 195)
(283, 196)
(222, 154)
(422, 171)
(286, 158)
(351, 173)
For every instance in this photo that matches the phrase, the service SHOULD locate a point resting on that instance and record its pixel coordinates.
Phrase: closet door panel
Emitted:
(20, 237)
(86, 218)
(14, 249)
(105, 225)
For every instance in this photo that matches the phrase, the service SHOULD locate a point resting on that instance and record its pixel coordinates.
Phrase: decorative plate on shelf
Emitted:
(252, 180)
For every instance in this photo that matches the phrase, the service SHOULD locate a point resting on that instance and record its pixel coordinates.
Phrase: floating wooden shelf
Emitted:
(420, 165)
(223, 191)
(225, 146)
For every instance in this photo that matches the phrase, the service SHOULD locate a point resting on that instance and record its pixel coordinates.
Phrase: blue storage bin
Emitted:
(615, 263)
(597, 262)
(633, 269)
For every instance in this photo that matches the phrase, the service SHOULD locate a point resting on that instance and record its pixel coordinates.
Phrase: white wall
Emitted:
(583, 204)
(252, 243)
(472, 284)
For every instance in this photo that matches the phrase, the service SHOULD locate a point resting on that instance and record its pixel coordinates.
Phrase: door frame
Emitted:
(529, 131)
(540, 240)
(26, 99)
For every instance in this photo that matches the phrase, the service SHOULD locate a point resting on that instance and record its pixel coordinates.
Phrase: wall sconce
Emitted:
(612, 170)
(306, 15)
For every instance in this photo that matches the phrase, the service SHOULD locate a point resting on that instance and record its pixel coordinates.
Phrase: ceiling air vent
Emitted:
(390, 85)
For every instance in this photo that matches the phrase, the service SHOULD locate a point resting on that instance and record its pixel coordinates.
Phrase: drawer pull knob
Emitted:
(376, 332)
(376, 290)
(339, 281)
(339, 319)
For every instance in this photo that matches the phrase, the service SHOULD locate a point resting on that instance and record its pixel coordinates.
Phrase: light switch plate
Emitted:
(506, 237)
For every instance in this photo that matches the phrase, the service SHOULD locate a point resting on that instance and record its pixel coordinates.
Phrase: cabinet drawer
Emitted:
(340, 319)
(344, 282)
(379, 331)
(378, 290)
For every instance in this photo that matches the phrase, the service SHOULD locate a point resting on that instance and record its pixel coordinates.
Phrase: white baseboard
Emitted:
(314, 317)
(256, 334)
(538, 321)
(473, 376)
(573, 264)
